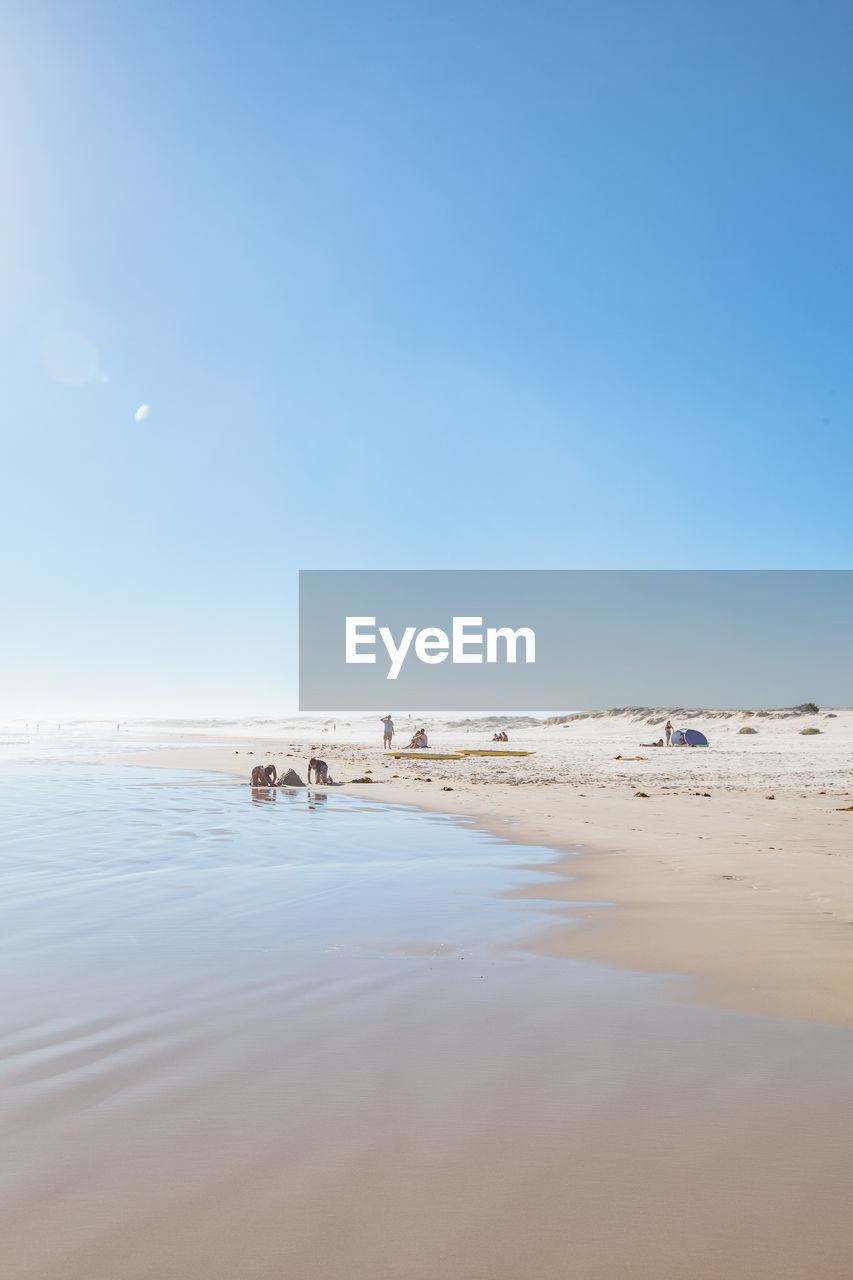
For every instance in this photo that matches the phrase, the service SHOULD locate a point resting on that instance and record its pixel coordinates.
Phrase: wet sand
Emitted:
(194, 1088)
(414, 1120)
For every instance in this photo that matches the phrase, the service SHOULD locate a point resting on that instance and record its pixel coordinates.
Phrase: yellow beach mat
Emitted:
(424, 755)
(485, 752)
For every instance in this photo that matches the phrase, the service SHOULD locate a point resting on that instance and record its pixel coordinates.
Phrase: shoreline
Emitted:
(749, 897)
(225, 988)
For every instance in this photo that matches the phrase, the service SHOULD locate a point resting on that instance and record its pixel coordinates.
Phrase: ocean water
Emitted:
(127, 867)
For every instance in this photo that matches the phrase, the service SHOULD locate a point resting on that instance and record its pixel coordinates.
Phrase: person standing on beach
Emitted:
(388, 730)
(668, 727)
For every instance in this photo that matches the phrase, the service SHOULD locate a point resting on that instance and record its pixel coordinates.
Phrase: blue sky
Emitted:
(435, 286)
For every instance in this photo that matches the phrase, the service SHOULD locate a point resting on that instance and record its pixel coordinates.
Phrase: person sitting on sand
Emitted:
(264, 775)
(419, 739)
(320, 770)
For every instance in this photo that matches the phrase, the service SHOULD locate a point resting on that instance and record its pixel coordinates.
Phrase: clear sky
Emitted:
(555, 285)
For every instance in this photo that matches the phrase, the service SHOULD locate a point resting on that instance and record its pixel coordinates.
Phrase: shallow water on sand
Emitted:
(270, 1035)
(104, 863)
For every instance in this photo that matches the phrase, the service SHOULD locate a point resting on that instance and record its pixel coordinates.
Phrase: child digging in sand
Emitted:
(320, 770)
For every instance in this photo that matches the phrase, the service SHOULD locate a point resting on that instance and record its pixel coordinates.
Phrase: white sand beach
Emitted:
(734, 865)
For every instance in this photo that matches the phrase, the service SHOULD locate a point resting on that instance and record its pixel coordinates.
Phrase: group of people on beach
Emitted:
(668, 729)
(419, 737)
(265, 775)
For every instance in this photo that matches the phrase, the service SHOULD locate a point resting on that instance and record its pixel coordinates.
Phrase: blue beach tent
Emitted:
(692, 737)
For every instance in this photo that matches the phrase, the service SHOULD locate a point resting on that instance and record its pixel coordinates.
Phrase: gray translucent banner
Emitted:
(585, 640)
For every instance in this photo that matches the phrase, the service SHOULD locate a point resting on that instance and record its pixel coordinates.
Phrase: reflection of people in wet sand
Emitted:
(668, 727)
(388, 730)
(320, 770)
(659, 743)
(263, 776)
